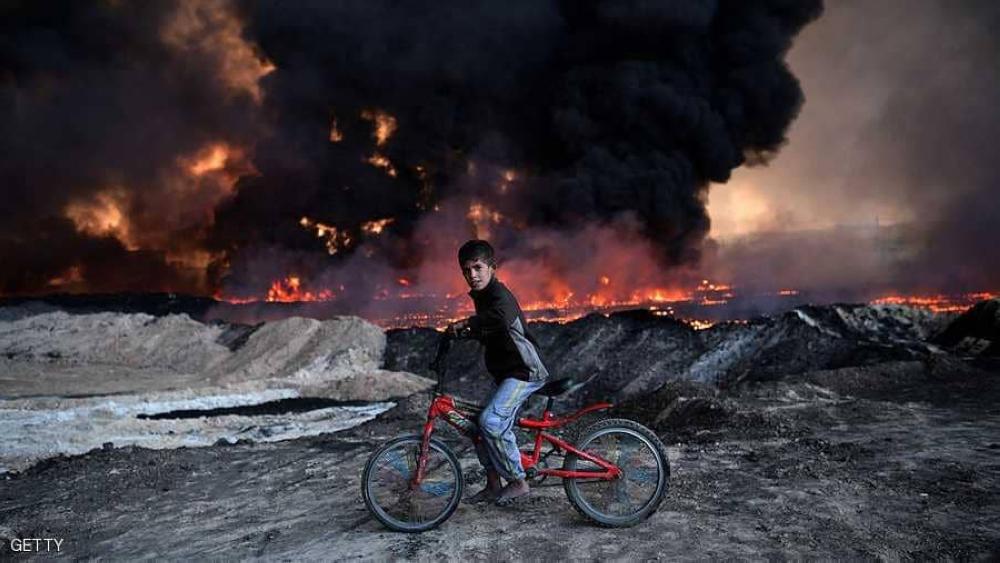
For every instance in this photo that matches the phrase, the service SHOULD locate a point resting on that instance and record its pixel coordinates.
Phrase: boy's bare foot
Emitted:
(488, 494)
(513, 490)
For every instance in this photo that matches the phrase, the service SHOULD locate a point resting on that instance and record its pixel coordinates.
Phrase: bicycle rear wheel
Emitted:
(635, 496)
(385, 485)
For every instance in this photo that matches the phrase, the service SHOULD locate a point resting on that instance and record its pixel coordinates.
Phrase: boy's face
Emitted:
(477, 273)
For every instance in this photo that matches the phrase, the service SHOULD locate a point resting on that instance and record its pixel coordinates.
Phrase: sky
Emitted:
(898, 124)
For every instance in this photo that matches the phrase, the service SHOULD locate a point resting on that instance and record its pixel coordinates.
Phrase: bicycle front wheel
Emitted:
(641, 456)
(385, 485)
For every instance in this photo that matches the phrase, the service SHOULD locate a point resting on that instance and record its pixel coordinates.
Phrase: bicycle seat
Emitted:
(557, 387)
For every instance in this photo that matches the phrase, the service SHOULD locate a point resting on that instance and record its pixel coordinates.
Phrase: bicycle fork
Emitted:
(425, 445)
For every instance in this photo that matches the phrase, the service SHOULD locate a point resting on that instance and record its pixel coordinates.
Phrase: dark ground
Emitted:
(895, 461)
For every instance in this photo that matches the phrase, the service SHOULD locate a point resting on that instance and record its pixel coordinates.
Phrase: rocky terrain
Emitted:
(632, 353)
(824, 432)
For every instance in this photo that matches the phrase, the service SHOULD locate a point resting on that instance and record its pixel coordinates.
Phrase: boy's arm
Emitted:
(476, 327)
(494, 319)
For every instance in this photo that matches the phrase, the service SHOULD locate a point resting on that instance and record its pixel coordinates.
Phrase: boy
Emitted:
(511, 356)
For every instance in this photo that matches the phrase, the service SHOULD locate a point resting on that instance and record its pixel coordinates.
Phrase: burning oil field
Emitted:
(765, 229)
(342, 153)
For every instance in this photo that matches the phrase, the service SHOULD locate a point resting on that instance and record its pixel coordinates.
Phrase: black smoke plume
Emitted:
(559, 119)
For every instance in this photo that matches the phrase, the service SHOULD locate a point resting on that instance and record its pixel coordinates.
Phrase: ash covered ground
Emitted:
(834, 431)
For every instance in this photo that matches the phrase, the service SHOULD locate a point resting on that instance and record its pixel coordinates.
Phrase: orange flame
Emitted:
(385, 125)
(337, 239)
(289, 290)
(381, 161)
(334, 238)
(215, 167)
(336, 135)
(72, 275)
(375, 227)
(937, 303)
(103, 216)
(211, 159)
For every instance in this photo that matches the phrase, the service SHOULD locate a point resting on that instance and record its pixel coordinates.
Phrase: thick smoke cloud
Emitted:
(560, 118)
(900, 129)
(102, 107)
(609, 112)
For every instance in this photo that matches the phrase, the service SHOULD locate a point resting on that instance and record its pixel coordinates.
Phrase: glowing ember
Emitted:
(219, 296)
(72, 275)
(426, 189)
(214, 158)
(937, 303)
(508, 177)
(337, 239)
(334, 238)
(381, 161)
(289, 290)
(385, 125)
(706, 285)
(335, 134)
(481, 217)
(375, 227)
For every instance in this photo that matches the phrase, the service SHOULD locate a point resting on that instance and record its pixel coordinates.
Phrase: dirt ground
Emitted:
(830, 466)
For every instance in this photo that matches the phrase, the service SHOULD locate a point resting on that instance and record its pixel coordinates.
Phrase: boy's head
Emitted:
(478, 263)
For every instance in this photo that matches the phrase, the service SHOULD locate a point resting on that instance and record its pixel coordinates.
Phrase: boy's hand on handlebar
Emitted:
(458, 328)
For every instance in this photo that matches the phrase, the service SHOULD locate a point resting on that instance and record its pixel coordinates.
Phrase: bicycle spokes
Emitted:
(395, 460)
(640, 474)
(392, 490)
(438, 489)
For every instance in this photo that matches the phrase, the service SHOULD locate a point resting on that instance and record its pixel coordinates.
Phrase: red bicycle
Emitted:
(616, 474)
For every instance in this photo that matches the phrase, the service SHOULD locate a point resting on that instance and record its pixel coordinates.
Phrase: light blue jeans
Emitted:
(497, 447)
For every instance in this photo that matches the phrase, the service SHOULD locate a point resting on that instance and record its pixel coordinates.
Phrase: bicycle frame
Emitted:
(461, 414)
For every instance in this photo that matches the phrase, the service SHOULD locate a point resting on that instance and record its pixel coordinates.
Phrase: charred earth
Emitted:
(821, 432)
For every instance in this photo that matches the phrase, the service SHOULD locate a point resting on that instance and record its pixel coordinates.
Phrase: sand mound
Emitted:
(55, 353)
(72, 382)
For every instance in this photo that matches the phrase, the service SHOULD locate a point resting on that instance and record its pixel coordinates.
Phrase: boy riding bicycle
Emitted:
(512, 358)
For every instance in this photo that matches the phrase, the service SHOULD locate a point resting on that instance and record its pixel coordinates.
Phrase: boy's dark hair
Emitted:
(477, 250)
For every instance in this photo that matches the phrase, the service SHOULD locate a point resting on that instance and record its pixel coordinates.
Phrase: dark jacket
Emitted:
(511, 349)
